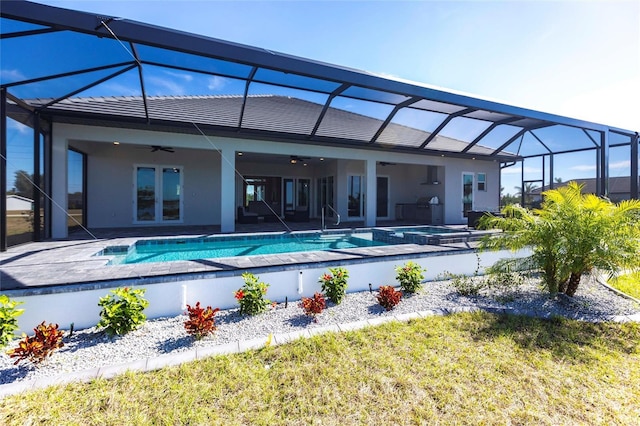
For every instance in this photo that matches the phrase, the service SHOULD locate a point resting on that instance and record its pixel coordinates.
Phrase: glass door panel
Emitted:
(355, 196)
(303, 186)
(382, 197)
(467, 193)
(170, 194)
(324, 196)
(289, 195)
(146, 194)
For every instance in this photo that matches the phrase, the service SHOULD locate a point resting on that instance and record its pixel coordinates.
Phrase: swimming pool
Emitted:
(167, 250)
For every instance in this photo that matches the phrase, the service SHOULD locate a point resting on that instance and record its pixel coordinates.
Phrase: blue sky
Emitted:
(579, 59)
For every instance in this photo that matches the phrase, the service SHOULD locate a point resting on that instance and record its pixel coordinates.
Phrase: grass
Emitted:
(629, 284)
(475, 368)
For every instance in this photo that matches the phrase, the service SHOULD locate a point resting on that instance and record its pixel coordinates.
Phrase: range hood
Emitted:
(432, 176)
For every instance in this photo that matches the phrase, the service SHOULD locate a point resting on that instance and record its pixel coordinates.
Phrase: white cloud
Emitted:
(19, 127)
(11, 75)
(625, 164)
(215, 83)
(117, 89)
(179, 75)
(166, 87)
(517, 170)
(583, 167)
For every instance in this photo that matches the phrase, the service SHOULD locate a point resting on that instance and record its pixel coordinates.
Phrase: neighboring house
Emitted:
(619, 188)
(17, 203)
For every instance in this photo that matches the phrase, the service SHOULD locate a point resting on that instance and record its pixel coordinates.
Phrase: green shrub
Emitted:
(388, 297)
(8, 319)
(505, 281)
(201, 321)
(334, 284)
(410, 276)
(466, 285)
(251, 295)
(122, 311)
(36, 349)
(570, 235)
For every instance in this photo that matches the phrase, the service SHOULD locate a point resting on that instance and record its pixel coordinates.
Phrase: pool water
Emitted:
(168, 250)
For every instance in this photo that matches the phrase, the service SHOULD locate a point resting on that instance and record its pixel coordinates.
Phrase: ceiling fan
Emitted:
(386, 163)
(155, 148)
(294, 159)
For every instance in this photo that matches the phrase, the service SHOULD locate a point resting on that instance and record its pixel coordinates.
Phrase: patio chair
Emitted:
(246, 217)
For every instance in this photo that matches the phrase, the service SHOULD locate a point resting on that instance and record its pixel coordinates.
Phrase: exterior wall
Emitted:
(80, 307)
(110, 181)
(110, 170)
(487, 200)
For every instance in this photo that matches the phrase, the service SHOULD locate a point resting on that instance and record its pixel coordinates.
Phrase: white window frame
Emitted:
(483, 182)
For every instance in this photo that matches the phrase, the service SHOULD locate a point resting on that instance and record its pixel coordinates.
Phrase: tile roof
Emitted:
(262, 113)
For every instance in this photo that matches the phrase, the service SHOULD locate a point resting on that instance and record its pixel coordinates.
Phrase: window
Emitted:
(482, 181)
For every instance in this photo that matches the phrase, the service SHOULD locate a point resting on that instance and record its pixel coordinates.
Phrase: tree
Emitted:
(570, 235)
(528, 190)
(22, 184)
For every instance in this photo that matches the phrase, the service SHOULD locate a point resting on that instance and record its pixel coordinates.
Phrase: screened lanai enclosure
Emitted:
(64, 68)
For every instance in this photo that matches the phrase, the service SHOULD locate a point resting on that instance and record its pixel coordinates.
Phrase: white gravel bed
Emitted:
(91, 348)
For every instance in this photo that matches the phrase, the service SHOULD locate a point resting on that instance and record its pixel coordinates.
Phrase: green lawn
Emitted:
(461, 369)
(629, 284)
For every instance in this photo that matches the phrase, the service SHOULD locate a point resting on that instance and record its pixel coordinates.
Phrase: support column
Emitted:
(3, 170)
(36, 178)
(634, 166)
(603, 182)
(371, 193)
(59, 192)
(227, 190)
(552, 182)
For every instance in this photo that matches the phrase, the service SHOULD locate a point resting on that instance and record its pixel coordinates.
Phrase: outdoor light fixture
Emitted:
(240, 153)
(294, 161)
(116, 143)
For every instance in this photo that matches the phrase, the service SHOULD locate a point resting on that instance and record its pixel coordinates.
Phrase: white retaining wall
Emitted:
(169, 299)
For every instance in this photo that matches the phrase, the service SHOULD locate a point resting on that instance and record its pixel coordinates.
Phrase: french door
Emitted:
(324, 196)
(157, 194)
(296, 193)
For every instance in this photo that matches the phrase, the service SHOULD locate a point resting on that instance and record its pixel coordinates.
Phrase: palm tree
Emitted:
(528, 190)
(571, 235)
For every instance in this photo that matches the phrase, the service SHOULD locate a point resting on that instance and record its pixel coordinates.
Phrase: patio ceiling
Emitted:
(75, 66)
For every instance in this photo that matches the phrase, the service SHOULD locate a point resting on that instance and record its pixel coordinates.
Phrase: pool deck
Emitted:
(70, 265)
